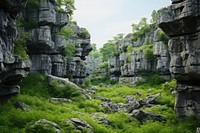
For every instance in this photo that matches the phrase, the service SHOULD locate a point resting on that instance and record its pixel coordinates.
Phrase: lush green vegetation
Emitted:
(35, 93)
(84, 33)
(109, 49)
(95, 53)
(162, 37)
(27, 24)
(20, 45)
(33, 3)
(140, 29)
(66, 32)
(69, 4)
(146, 49)
(69, 48)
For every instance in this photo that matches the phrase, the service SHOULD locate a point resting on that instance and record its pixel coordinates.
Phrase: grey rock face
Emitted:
(114, 68)
(12, 68)
(77, 66)
(46, 47)
(180, 21)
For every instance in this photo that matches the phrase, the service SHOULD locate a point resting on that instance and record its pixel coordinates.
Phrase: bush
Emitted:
(146, 49)
(162, 37)
(104, 65)
(84, 33)
(100, 79)
(155, 79)
(20, 45)
(33, 3)
(66, 32)
(69, 50)
(87, 82)
(35, 85)
(63, 4)
(27, 24)
(148, 53)
(64, 91)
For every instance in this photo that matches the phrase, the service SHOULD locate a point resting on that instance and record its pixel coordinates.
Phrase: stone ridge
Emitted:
(180, 21)
(12, 68)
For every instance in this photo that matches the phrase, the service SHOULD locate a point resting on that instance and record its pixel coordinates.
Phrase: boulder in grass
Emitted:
(80, 125)
(44, 126)
(142, 116)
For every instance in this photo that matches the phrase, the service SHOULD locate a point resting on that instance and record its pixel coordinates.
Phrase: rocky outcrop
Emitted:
(147, 53)
(12, 68)
(180, 22)
(47, 45)
(45, 125)
(81, 125)
(142, 116)
(92, 67)
(81, 39)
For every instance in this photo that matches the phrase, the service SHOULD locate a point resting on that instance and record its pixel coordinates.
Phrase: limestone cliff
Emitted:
(81, 39)
(12, 68)
(180, 22)
(147, 53)
(47, 45)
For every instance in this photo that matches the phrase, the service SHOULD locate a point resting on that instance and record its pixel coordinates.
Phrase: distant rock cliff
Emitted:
(147, 53)
(12, 68)
(181, 22)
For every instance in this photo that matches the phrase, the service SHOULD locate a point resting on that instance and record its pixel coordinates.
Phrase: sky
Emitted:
(104, 19)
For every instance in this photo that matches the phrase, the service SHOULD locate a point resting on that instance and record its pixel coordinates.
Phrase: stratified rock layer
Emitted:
(180, 22)
(12, 68)
(81, 39)
(47, 46)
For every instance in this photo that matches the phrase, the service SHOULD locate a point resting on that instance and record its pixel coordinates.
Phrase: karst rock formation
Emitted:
(181, 22)
(12, 68)
(46, 47)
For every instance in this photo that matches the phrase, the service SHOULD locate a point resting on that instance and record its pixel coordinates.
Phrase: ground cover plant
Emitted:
(36, 95)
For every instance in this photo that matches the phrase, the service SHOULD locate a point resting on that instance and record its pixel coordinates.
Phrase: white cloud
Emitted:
(95, 10)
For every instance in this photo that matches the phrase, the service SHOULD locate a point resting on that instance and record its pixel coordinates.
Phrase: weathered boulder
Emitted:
(180, 22)
(110, 106)
(80, 125)
(62, 81)
(132, 104)
(22, 106)
(147, 101)
(142, 116)
(47, 126)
